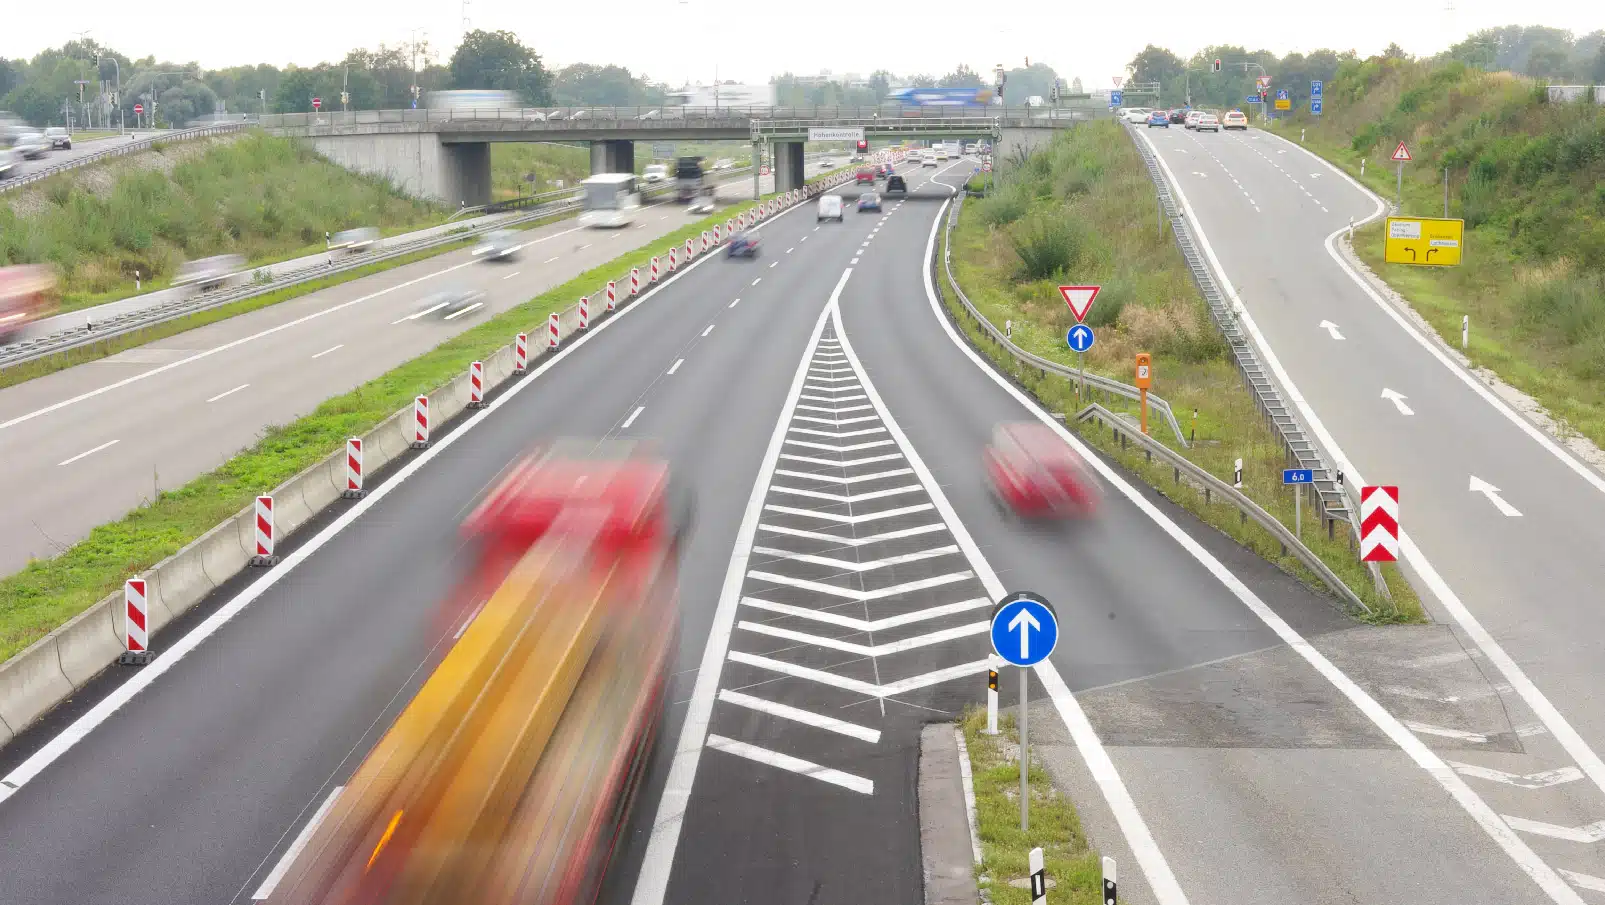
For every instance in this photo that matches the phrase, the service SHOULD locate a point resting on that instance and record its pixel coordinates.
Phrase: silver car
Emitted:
(450, 304)
(355, 241)
(31, 145)
(216, 272)
(499, 245)
(60, 139)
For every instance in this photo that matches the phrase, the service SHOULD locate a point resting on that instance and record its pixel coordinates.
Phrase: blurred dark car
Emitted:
(1178, 116)
(742, 245)
(897, 184)
(869, 201)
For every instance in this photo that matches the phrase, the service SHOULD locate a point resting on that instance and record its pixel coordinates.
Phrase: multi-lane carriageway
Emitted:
(1232, 736)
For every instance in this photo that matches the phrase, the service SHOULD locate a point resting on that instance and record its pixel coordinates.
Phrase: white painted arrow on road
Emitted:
(1587, 833)
(1397, 398)
(1331, 328)
(1540, 780)
(1478, 485)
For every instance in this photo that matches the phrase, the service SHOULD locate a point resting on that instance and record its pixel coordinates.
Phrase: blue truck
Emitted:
(943, 97)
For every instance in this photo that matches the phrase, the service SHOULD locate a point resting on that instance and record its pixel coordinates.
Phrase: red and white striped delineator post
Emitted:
(585, 313)
(551, 330)
(1379, 524)
(521, 353)
(266, 533)
(420, 422)
(136, 624)
(635, 281)
(716, 239)
(612, 294)
(707, 241)
(690, 251)
(353, 469)
(674, 258)
(654, 276)
(476, 384)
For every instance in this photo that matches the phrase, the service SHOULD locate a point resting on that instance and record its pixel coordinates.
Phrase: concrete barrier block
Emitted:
(31, 683)
(499, 367)
(221, 553)
(158, 613)
(321, 486)
(89, 642)
(447, 402)
(390, 439)
(290, 510)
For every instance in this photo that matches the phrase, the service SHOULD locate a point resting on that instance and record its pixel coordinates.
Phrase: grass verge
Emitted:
(1070, 862)
(1064, 216)
(47, 593)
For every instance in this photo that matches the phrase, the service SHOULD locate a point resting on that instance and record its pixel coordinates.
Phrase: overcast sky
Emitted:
(749, 42)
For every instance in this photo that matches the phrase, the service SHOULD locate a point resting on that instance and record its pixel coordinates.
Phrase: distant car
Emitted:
(1178, 116)
(1234, 119)
(896, 183)
(60, 139)
(205, 274)
(941, 153)
(742, 245)
(869, 201)
(723, 163)
(1159, 118)
(31, 145)
(703, 203)
(865, 174)
(655, 172)
(451, 303)
(928, 159)
(1208, 122)
(1036, 474)
(499, 245)
(887, 169)
(1136, 115)
(355, 241)
(1191, 119)
(826, 164)
(830, 208)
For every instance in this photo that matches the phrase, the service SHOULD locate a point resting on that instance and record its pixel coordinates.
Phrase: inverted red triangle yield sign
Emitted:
(1401, 153)
(1079, 298)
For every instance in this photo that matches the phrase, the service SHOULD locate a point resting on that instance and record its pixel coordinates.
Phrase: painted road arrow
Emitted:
(1331, 328)
(1478, 485)
(1540, 780)
(1397, 398)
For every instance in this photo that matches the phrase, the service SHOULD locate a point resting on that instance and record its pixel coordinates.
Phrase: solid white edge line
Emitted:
(300, 843)
(807, 718)
(652, 881)
(1482, 637)
(967, 782)
(794, 764)
(87, 453)
(1496, 828)
(80, 728)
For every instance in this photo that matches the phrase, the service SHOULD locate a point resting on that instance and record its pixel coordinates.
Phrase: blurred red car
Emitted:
(865, 175)
(1035, 472)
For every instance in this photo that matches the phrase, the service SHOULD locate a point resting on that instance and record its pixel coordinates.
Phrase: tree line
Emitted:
(1545, 53)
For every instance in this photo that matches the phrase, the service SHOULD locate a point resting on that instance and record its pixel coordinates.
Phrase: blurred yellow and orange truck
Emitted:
(509, 776)
(27, 293)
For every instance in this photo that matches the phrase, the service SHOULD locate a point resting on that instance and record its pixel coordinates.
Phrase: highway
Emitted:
(79, 149)
(1501, 526)
(844, 552)
(87, 444)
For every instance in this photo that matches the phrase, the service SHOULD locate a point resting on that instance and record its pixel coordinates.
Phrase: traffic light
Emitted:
(863, 145)
(1217, 65)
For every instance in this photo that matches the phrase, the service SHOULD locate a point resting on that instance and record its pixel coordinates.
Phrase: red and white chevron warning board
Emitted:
(1379, 524)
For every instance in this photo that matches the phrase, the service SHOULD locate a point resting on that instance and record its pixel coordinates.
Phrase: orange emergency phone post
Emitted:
(1145, 379)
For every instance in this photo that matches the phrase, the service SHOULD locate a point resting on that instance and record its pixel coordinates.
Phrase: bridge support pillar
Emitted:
(417, 163)
(612, 156)
(789, 172)
(1011, 141)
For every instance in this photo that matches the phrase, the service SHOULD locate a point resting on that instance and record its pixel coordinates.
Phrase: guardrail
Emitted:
(131, 147)
(1212, 486)
(1334, 498)
(1043, 365)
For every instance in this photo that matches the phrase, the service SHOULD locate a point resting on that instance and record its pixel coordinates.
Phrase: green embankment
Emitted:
(266, 198)
(47, 593)
(1066, 216)
(1528, 177)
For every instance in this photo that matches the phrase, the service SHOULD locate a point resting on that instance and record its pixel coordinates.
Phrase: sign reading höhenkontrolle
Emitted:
(815, 134)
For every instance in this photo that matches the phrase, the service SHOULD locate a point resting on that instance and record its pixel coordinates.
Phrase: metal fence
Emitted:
(131, 147)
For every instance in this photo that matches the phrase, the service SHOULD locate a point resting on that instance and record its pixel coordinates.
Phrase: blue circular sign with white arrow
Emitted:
(1080, 338)
(1024, 629)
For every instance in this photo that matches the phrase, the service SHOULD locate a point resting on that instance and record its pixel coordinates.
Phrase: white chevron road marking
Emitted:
(807, 718)
(869, 650)
(820, 587)
(1540, 780)
(847, 498)
(867, 689)
(794, 764)
(867, 625)
(853, 541)
(849, 519)
(851, 566)
(896, 472)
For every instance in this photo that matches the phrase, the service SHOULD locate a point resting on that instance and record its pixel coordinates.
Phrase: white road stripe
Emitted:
(707, 331)
(829, 447)
(676, 366)
(896, 472)
(1445, 732)
(829, 411)
(849, 463)
(794, 764)
(300, 843)
(867, 689)
(417, 314)
(836, 422)
(456, 314)
(1588, 833)
(516, 273)
(226, 393)
(106, 445)
(847, 498)
(633, 415)
(774, 264)
(332, 348)
(907, 587)
(734, 303)
(1540, 780)
(848, 519)
(1584, 881)
(830, 617)
(757, 281)
(840, 435)
(850, 566)
(869, 650)
(852, 541)
(818, 721)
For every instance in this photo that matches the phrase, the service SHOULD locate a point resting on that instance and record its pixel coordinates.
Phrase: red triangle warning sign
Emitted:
(1401, 153)
(1079, 298)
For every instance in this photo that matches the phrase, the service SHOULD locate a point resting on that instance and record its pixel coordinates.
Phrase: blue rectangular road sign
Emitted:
(1315, 88)
(1281, 94)
(1251, 99)
(1315, 106)
(1298, 475)
(1116, 98)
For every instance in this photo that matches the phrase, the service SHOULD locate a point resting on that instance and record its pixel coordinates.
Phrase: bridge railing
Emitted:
(576, 118)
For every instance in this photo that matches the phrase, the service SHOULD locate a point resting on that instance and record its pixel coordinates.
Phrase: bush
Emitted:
(1005, 204)
(1049, 245)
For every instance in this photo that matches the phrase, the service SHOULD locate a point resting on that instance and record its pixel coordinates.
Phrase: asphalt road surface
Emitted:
(85, 445)
(80, 149)
(1515, 570)
(826, 614)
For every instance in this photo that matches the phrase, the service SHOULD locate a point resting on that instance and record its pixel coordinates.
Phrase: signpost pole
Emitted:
(1144, 392)
(1445, 193)
(1025, 751)
(1081, 385)
(1399, 192)
(1298, 511)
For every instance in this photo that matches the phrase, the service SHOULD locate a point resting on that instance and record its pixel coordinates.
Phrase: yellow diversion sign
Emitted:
(1430, 241)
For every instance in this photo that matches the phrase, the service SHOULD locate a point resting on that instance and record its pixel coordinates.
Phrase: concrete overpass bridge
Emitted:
(445, 154)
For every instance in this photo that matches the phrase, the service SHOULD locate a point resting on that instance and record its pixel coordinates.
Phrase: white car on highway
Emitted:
(1206, 122)
(499, 245)
(928, 159)
(655, 172)
(1191, 120)
(1234, 119)
(1135, 115)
